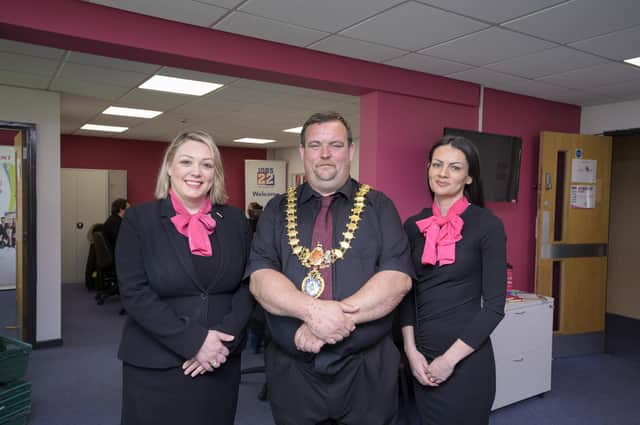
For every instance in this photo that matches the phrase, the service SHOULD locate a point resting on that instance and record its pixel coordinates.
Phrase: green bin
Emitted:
(19, 418)
(15, 402)
(14, 358)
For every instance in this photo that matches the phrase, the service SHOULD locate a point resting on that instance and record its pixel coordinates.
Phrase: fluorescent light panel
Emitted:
(107, 128)
(131, 112)
(179, 85)
(296, 130)
(633, 61)
(253, 140)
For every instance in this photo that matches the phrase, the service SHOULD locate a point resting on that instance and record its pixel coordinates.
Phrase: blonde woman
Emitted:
(180, 261)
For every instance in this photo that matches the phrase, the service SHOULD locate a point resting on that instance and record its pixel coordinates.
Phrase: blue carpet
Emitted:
(79, 383)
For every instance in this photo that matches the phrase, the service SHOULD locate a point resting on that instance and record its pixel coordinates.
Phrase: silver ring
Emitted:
(214, 363)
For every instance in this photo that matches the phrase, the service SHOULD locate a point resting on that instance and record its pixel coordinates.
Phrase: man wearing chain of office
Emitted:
(329, 263)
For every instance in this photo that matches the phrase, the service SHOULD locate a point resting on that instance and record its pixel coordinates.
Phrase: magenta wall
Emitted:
(397, 132)
(142, 160)
(526, 117)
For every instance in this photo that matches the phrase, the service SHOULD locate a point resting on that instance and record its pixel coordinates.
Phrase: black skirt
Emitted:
(167, 396)
(466, 397)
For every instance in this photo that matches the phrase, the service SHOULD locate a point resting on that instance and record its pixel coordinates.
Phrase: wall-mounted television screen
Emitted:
(499, 163)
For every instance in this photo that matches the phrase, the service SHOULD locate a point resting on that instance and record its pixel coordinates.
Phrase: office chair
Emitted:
(105, 267)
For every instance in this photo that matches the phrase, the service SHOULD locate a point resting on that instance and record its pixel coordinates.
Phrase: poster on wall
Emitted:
(263, 180)
(7, 217)
(583, 196)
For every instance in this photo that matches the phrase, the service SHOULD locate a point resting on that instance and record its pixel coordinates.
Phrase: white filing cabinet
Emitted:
(522, 348)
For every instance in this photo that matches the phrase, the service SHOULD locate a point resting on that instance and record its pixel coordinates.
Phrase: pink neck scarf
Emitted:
(442, 233)
(197, 227)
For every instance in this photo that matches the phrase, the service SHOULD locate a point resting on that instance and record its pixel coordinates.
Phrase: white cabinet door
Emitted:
(522, 349)
(84, 203)
(117, 185)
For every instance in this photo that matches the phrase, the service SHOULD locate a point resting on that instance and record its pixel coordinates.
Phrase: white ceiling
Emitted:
(567, 51)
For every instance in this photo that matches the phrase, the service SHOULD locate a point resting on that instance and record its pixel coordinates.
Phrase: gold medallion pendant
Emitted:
(319, 258)
(313, 283)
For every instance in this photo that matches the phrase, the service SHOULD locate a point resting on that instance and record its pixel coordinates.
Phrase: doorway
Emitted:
(17, 231)
(623, 287)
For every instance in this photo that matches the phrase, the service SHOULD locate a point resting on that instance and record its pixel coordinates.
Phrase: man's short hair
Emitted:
(322, 117)
(118, 204)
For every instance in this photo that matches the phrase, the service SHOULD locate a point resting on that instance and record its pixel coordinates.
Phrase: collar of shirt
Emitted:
(347, 190)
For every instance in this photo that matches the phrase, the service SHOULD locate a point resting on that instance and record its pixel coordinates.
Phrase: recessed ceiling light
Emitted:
(179, 85)
(296, 130)
(131, 112)
(252, 140)
(633, 61)
(109, 128)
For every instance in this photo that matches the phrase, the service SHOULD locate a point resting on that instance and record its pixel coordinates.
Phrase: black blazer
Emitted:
(169, 309)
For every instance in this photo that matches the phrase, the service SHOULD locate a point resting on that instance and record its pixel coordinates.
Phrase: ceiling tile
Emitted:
(85, 88)
(494, 11)
(596, 76)
(229, 4)
(585, 99)
(356, 49)
(579, 19)
(29, 64)
(76, 106)
(69, 125)
(488, 78)
(111, 63)
(626, 91)
(618, 45)
(23, 79)
(75, 71)
(427, 64)
(422, 26)
(30, 49)
(487, 46)
(325, 15)
(268, 29)
(187, 11)
(546, 62)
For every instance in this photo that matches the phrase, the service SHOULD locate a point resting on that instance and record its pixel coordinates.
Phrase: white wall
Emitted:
(614, 116)
(43, 109)
(295, 166)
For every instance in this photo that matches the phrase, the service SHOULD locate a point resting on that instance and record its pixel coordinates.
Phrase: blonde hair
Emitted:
(163, 184)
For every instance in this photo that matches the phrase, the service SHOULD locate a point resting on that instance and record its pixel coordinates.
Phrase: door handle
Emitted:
(547, 181)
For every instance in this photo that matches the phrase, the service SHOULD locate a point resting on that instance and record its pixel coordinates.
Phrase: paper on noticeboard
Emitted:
(583, 170)
(583, 196)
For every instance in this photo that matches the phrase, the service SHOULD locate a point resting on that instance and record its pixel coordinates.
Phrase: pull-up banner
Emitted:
(263, 180)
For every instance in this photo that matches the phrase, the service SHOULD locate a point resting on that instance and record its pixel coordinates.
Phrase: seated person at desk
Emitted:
(112, 225)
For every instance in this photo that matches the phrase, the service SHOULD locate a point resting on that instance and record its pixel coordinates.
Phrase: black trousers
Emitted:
(363, 392)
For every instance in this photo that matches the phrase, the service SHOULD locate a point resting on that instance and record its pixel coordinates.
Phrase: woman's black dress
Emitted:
(464, 300)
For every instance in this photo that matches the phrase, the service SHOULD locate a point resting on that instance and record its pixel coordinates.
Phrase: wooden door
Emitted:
(572, 229)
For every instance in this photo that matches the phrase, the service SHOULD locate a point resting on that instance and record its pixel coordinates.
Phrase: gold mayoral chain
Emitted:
(319, 258)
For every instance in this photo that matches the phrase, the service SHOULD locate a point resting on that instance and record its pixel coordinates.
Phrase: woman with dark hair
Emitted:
(458, 251)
